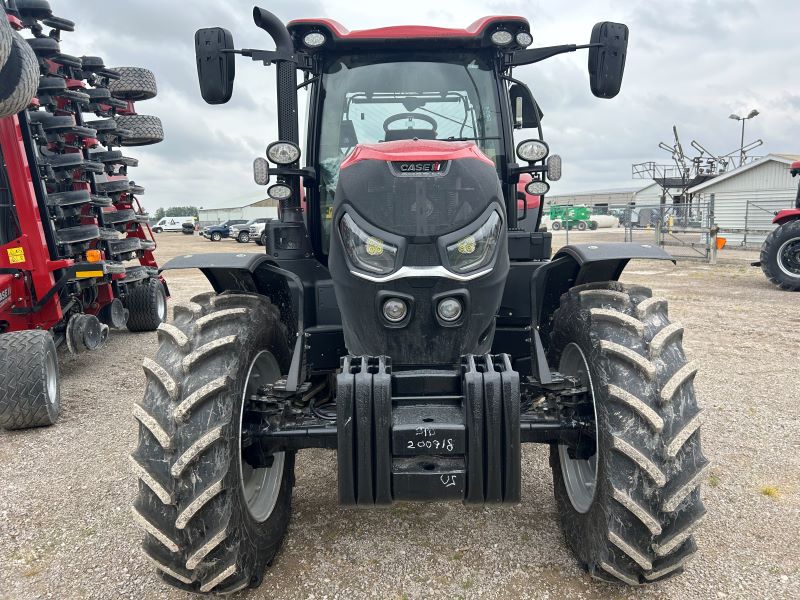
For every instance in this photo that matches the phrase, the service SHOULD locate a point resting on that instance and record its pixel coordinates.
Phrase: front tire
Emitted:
(243, 237)
(780, 256)
(207, 526)
(629, 517)
(30, 388)
(216, 236)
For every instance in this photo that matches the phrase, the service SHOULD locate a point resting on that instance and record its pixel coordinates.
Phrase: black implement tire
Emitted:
(147, 305)
(216, 236)
(134, 84)
(19, 77)
(199, 528)
(637, 526)
(582, 226)
(30, 391)
(243, 237)
(555, 226)
(44, 47)
(5, 41)
(780, 256)
(143, 130)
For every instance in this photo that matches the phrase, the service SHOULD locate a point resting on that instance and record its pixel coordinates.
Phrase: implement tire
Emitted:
(634, 523)
(30, 390)
(142, 130)
(147, 305)
(135, 84)
(5, 41)
(209, 525)
(19, 77)
(780, 256)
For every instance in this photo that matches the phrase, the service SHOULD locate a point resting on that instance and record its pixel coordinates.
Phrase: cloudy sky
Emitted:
(690, 63)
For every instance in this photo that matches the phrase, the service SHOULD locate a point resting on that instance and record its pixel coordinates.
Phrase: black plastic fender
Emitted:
(584, 263)
(257, 273)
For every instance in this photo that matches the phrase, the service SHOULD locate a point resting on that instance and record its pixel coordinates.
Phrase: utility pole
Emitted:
(751, 114)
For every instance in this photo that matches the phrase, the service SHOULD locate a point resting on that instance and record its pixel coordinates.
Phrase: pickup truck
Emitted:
(241, 233)
(221, 230)
(257, 232)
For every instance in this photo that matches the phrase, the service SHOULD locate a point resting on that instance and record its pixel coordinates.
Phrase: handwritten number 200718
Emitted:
(446, 445)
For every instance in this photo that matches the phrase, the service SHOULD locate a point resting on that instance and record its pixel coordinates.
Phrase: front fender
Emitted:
(258, 274)
(584, 263)
(784, 216)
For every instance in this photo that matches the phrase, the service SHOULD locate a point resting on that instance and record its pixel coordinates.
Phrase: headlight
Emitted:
(502, 37)
(524, 39)
(279, 191)
(477, 249)
(537, 188)
(532, 150)
(365, 251)
(283, 153)
(315, 39)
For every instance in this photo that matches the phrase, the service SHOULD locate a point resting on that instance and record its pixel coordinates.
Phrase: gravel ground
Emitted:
(66, 531)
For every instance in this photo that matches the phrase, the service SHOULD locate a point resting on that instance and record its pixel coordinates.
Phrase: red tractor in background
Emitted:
(780, 252)
(76, 252)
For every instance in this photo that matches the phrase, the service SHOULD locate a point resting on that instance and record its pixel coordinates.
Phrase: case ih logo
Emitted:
(421, 167)
(5, 295)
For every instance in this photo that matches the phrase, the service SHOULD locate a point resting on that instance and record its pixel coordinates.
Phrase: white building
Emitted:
(616, 196)
(748, 197)
(239, 210)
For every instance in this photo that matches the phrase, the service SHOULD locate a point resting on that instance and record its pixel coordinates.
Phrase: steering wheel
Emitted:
(408, 115)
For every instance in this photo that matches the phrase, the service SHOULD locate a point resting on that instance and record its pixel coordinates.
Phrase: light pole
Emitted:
(751, 114)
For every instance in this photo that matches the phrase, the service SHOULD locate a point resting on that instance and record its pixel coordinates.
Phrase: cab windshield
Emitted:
(376, 97)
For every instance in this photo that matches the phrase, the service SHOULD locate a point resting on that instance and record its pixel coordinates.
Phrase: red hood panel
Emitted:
(415, 150)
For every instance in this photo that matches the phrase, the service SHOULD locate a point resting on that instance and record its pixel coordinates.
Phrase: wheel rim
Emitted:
(789, 257)
(260, 486)
(51, 375)
(580, 475)
(161, 306)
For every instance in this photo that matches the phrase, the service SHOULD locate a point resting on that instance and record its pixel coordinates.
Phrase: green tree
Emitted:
(159, 214)
(181, 211)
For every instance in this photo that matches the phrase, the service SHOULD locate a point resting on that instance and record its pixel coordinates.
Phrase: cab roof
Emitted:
(475, 35)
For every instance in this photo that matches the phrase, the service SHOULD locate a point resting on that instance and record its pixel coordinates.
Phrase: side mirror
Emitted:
(216, 64)
(607, 60)
(525, 111)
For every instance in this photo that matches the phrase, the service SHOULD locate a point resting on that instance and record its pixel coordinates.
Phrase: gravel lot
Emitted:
(66, 531)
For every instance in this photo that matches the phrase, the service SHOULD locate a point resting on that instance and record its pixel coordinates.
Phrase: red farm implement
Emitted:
(76, 252)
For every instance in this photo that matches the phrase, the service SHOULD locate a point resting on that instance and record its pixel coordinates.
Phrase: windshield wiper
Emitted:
(470, 139)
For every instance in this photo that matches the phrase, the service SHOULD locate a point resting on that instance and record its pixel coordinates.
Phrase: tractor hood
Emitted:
(418, 188)
(418, 221)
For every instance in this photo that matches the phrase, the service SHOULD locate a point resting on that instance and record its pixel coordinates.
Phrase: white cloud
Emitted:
(690, 63)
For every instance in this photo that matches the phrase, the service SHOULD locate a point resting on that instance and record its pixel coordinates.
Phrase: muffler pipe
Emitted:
(288, 127)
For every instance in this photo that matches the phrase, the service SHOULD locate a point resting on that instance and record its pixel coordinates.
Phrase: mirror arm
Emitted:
(307, 173)
(516, 171)
(534, 55)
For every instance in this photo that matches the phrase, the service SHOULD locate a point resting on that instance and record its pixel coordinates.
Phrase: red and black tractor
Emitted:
(780, 252)
(76, 254)
(405, 320)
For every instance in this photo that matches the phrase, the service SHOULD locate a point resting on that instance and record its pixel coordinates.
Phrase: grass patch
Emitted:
(467, 584)
(770, 491)
(713, 480)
